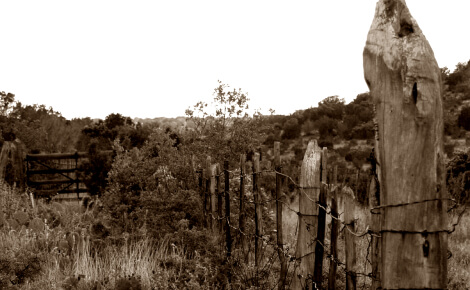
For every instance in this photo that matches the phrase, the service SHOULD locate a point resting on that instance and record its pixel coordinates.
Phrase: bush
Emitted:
(464, 118)
(291, 129)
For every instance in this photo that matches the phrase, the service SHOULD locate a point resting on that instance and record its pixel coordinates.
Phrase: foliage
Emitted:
(464, 118)
(226, 132)
(458, 177)
(331, 107)
(151, 185)
(291, 129)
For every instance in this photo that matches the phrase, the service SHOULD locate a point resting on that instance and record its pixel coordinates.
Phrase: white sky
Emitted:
(149, 59)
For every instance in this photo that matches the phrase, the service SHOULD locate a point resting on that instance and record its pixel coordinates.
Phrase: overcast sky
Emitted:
(156, 58)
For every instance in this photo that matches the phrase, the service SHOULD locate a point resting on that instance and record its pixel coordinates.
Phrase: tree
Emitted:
(291, 129)
(332, 107)
(224, 130)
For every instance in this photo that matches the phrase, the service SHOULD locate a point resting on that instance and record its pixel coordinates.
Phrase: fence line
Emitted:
(263, 241)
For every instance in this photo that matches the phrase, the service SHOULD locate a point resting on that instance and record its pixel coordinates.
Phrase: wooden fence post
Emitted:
(220, 202)
(350, 238)
(258, 209)
(207, 204)
(242, 213)
(228, 235)
(279, 195)
(375, 238)
(310, 180)
(319, 245)
(213, 215)
(334, 233)
(406, 88)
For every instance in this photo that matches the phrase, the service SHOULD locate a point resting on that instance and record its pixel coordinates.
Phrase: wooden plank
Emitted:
(52, 171)
(58, 156)
(405, 84)
(52, 181)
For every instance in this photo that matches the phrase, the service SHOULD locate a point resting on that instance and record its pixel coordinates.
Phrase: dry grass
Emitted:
(459, 263)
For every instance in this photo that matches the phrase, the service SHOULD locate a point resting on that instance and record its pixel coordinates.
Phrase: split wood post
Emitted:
(309, 191)
(228, 236)
(350, 239)
(405, 84)
(213, 208)
(279, 207)
(320, 241)
(242, 213)
(220, 202)
(334, 233)
(258, 210)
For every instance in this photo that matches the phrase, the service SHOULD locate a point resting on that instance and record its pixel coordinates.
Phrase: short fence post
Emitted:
(213, 215)
(242, 213)
(334, 233)
(375, 228)
(258, 209)
(319, 245)
(350, 239)
(220, 202)
(207, 219)
(228, 236)
(279, 195)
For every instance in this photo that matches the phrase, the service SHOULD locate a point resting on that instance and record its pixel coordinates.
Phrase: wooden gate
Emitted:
(56, 174)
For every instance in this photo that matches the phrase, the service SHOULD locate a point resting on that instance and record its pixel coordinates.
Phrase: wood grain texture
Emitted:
(405, 83)
(308, 218)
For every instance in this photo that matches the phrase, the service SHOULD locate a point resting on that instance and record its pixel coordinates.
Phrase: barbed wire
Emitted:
(368, 234)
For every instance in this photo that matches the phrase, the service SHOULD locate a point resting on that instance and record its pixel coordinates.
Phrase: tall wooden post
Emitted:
(319, 245)
(279, 200)
(334, 232)
(258, 209)
(308, 215)
(405, 84)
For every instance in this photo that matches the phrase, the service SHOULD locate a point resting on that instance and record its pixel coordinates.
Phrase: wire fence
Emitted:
(271, 245)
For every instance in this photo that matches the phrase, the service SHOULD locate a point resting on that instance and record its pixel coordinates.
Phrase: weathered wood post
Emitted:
(319, 245)
(258, 209)
(213, 208)
(279, 200)
(310, 182)
(375, 250)
(220, 202)
(405, 83)
(350, 239)
(207, 176)
(228, 235)
(334, 233)
(242, 213)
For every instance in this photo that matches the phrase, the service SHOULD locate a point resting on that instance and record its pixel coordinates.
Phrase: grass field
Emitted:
(54, 246)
